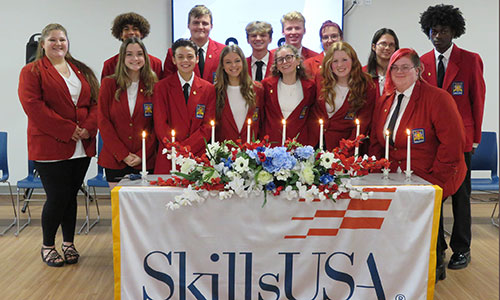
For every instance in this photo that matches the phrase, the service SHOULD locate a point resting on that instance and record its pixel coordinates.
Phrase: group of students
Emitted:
(202, 80)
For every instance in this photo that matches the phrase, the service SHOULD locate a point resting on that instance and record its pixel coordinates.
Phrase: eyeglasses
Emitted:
(385, 45)
(288, 58)
(333, 37)
(403, 68)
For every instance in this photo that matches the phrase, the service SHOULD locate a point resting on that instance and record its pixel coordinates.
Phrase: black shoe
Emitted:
(459, 260)
(440, 272)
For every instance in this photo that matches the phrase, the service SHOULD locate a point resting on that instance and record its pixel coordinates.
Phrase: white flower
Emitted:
(302, 189)
(353, 194)
(225, 194)
(188, 165)
(172, 205)
(289, 193)
(165, 150)
(306, 175)
(237, 185)
(240, 165)
(327, 159)
(282, 174)
(311, 193)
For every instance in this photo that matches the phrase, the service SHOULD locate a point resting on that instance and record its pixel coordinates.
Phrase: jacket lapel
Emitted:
(452, 68)
(228, 113)
(52, 72)
(408, 113)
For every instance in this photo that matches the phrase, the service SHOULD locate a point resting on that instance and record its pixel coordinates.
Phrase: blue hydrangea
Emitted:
(253, 155)
(278, 158)
(270, 186)
(304, 152)
(326, 178)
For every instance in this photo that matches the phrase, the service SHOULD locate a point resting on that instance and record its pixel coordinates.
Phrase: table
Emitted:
(380, 248)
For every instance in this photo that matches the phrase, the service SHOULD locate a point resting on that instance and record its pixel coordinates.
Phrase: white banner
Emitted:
(380, 248)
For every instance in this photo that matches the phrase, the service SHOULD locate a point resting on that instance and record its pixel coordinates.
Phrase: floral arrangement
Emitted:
(242, 169)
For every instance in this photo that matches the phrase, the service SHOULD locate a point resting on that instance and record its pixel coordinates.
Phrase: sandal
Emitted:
(52, 258)
(70, 254)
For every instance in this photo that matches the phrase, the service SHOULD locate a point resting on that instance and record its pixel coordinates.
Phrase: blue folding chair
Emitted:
(31, 182)
(485, 159)
(98, 181)
(4, 167)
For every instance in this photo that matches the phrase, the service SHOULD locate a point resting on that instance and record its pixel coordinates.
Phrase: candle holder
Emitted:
(408, 175)
(385, 173)
(144, 175)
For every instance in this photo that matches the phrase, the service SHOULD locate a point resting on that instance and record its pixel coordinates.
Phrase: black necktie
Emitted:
(258, 73)
(440, 74)
(201, 61)
(394, 117)
(185, 89)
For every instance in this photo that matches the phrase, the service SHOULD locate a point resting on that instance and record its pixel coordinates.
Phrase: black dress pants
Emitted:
(61, 181)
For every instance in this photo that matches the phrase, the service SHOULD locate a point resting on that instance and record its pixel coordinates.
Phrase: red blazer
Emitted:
(438, 136)
(295, 123)
(52, 115)
(342, 124)
(269, 67)
(110, 66)
(306, 53)
(226, 128)
(313, 64)
(211, 62)
(122, 134)
(464, 80)
(191, 123)
(375, 81)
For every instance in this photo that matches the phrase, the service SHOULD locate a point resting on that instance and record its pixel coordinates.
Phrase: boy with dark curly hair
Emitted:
(460, 73)
(130, 25)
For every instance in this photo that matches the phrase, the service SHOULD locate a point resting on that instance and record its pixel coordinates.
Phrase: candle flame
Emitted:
(249, 121)
(283, 122)
(387, 132)
(173, 132)
(321, 121)
(357, 121)
(407, 131)
(212, 123)
(143, 134)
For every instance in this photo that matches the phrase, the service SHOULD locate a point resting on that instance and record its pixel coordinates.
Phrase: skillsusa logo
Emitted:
(355, 214)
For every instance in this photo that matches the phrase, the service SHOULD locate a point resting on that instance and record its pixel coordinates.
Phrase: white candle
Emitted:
(356, 148)
(320, 134)
(387, 144)
(143, 154)
(408, 151)
(212, 123)
(284, 132)
(249, 128)
(173, 152)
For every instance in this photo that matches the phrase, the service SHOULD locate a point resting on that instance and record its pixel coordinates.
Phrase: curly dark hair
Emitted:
(130, 18)
(444, 15)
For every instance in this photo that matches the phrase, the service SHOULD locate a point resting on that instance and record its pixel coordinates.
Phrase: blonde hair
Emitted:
(198, 11)
(146, 75)
(86, 71)
(259, 27)
(358, 80)
(222, 82)
(292, 16)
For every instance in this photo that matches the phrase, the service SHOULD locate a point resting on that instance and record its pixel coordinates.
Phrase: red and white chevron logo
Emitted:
(351, 213)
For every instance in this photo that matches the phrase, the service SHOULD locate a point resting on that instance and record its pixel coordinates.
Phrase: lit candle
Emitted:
(249, 128)
(144, 155)
(173, 152)
(387, 144)
(284, 132)
(408, 151)
(356, 149)
(212, 123)
(320, 134)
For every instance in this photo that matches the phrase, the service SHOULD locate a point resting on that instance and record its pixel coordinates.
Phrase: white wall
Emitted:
(88, 24)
